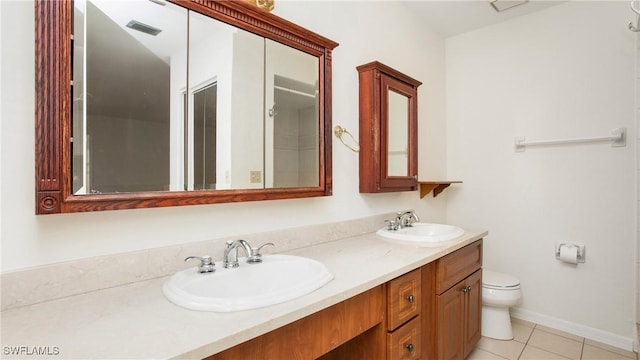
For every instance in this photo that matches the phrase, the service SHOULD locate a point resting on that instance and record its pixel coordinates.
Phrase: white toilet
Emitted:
(499, 292)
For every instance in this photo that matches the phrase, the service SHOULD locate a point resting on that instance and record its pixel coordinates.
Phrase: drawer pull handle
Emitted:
(409, 347)
(411, 299)
(466, 289)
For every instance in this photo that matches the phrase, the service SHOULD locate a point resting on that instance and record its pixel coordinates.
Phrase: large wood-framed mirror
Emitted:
(154, 103)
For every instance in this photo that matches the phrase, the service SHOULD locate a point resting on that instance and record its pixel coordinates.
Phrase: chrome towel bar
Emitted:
(618, 138)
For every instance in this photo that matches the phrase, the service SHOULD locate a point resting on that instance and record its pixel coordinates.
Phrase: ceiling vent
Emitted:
(147, 29)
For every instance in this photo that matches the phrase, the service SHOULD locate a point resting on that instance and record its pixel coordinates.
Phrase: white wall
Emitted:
(567, 71)
(29, 240)
(247, 119)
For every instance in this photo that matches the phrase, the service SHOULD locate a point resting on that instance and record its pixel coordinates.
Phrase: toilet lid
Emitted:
(496, 280)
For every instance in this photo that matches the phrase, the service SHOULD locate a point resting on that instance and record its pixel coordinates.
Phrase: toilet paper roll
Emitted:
(569, 254)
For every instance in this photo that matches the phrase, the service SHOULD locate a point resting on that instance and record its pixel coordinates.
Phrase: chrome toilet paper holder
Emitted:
(581, 251)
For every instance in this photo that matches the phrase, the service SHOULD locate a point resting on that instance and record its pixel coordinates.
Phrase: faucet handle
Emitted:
(255, 257)
(206, 264)
(392, 225)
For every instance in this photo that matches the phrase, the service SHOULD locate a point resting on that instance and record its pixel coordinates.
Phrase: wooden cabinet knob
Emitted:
(411, 299)
(409, 347)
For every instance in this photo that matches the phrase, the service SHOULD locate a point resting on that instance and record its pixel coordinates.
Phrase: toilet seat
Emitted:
(499, 281)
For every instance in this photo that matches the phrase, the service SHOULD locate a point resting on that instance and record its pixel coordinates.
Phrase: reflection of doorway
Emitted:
(204, 102)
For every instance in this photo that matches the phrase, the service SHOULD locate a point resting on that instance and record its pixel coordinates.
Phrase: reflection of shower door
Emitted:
(294, 148)
(202, 154)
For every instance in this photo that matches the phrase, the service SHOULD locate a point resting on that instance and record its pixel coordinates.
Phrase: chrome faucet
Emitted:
(406, 218)
(231, 253)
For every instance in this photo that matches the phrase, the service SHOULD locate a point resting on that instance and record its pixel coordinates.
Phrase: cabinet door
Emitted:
(398, 124)
(472, 311)
(450, 322)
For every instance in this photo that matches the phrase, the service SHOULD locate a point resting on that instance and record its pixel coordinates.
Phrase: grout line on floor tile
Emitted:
(498, 355)
(552, 352)
(560, 333)
(531, 333)
(526, 343)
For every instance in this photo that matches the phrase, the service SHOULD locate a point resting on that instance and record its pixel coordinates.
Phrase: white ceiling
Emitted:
(453, 17)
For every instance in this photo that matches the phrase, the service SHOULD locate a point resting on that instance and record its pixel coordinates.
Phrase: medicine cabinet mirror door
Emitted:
(177, 103)
(399, 138)
(388, 129)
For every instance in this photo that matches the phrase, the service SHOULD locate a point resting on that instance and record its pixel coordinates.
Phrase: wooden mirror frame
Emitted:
(53, 111)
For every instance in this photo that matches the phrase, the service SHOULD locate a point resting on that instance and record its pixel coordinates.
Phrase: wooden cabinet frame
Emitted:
(376, 81)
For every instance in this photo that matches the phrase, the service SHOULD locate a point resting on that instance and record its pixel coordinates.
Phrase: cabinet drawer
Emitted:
(458, 265)
(406, 342)
(404, 299)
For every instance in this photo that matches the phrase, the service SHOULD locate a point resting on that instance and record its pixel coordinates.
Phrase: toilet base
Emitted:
(496, 323)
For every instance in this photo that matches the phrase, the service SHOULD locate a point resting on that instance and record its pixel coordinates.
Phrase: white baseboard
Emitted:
(587, 332)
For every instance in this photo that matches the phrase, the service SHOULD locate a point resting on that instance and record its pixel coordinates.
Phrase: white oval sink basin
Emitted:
(277, 279)
(422, 234)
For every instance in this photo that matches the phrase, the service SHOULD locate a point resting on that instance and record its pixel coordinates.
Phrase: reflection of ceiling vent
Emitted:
(502, 5)
(147, 29)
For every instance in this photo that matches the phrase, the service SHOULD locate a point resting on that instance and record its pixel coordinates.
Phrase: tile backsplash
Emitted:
(43, 283)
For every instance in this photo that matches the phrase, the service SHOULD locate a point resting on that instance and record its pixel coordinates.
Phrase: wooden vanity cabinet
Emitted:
(432, 312)
(404, 300)
(458, 302)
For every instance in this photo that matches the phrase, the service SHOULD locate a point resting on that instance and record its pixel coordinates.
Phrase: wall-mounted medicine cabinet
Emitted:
(388, 105)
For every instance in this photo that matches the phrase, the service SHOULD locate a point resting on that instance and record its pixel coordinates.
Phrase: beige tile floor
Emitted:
(537, 342)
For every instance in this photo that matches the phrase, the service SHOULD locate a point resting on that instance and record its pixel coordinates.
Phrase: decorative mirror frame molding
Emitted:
(53, 111)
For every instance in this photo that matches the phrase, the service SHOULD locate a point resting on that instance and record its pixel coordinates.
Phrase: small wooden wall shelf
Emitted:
(436, 186)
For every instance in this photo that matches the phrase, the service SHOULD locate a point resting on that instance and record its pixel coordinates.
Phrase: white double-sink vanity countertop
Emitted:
(136, 320)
